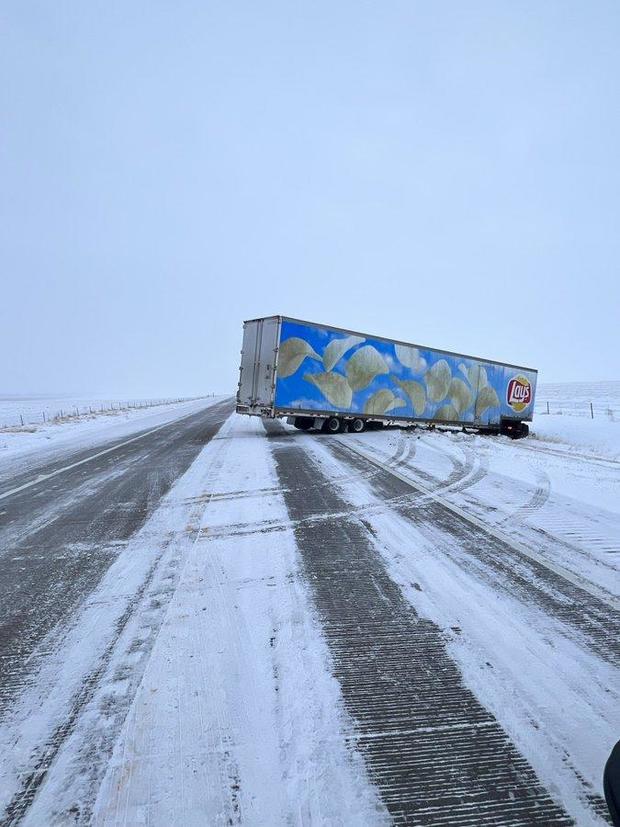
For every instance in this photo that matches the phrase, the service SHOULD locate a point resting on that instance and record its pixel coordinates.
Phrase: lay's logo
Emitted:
(519, 393)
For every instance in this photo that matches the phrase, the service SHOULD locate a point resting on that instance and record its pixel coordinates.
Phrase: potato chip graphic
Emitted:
(460, 394)
(383, 401)
(477, 376)
(365, 364)
(334, 388)
(447, 413)
(336, 349)
(292, 353)
(416, 392)
(410, 357)
(487, 398)
(438, 380)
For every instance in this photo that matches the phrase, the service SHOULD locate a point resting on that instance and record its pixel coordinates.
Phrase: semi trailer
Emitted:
(331, 379)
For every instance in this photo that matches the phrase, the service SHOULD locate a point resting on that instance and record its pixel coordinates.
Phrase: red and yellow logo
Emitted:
(519, 393)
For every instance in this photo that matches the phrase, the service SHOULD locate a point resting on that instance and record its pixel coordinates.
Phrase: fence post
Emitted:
(22, 420)
(591, 411)
(44, 417)
(547, 407)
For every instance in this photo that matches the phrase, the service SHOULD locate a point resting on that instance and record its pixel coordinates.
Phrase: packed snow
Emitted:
(221, 676)
(554, 698)
(578, 434)
(216, 702)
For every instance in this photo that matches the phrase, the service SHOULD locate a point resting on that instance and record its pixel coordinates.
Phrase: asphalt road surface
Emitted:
(436, 755)
(160, 710)
(63, 523)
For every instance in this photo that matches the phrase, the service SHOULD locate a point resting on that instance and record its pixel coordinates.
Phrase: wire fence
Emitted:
(31, 415)
(571, 407)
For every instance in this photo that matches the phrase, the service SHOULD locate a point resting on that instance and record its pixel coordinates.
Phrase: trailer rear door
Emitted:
(258, 355)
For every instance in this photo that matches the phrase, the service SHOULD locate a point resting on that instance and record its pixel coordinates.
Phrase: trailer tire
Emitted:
(332, 425)
(357, 425)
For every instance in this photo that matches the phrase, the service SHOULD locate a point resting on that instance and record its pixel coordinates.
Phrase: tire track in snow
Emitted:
(596, 623)
(538, 499)
(255, 687)
(57, 541)
(579, 456)
(555, 697)
(153, 593)
(565, 530)
(436, 755)
(463, 473)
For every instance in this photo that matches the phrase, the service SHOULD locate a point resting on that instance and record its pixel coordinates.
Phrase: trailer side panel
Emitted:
(324, 369)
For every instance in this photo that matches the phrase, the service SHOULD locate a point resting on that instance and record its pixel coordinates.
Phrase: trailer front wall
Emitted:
(330, 370)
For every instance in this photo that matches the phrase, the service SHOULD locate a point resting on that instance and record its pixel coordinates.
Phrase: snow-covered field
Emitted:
(577, 434)
(600, 393)
(598, 399)
(37, 410)
(222, 700)
(570, 425)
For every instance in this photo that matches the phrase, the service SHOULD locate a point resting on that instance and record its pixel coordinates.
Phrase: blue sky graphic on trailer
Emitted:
(324, 370)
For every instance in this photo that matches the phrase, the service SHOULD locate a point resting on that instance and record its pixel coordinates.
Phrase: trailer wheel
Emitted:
(357, 425)
(332, 425)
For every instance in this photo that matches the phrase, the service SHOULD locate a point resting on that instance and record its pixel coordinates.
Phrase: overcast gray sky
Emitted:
(445, 173)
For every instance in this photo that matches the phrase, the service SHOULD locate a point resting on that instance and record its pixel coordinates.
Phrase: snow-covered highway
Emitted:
(231, 622)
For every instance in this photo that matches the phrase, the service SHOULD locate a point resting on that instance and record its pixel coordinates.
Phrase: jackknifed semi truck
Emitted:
(331, 379)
